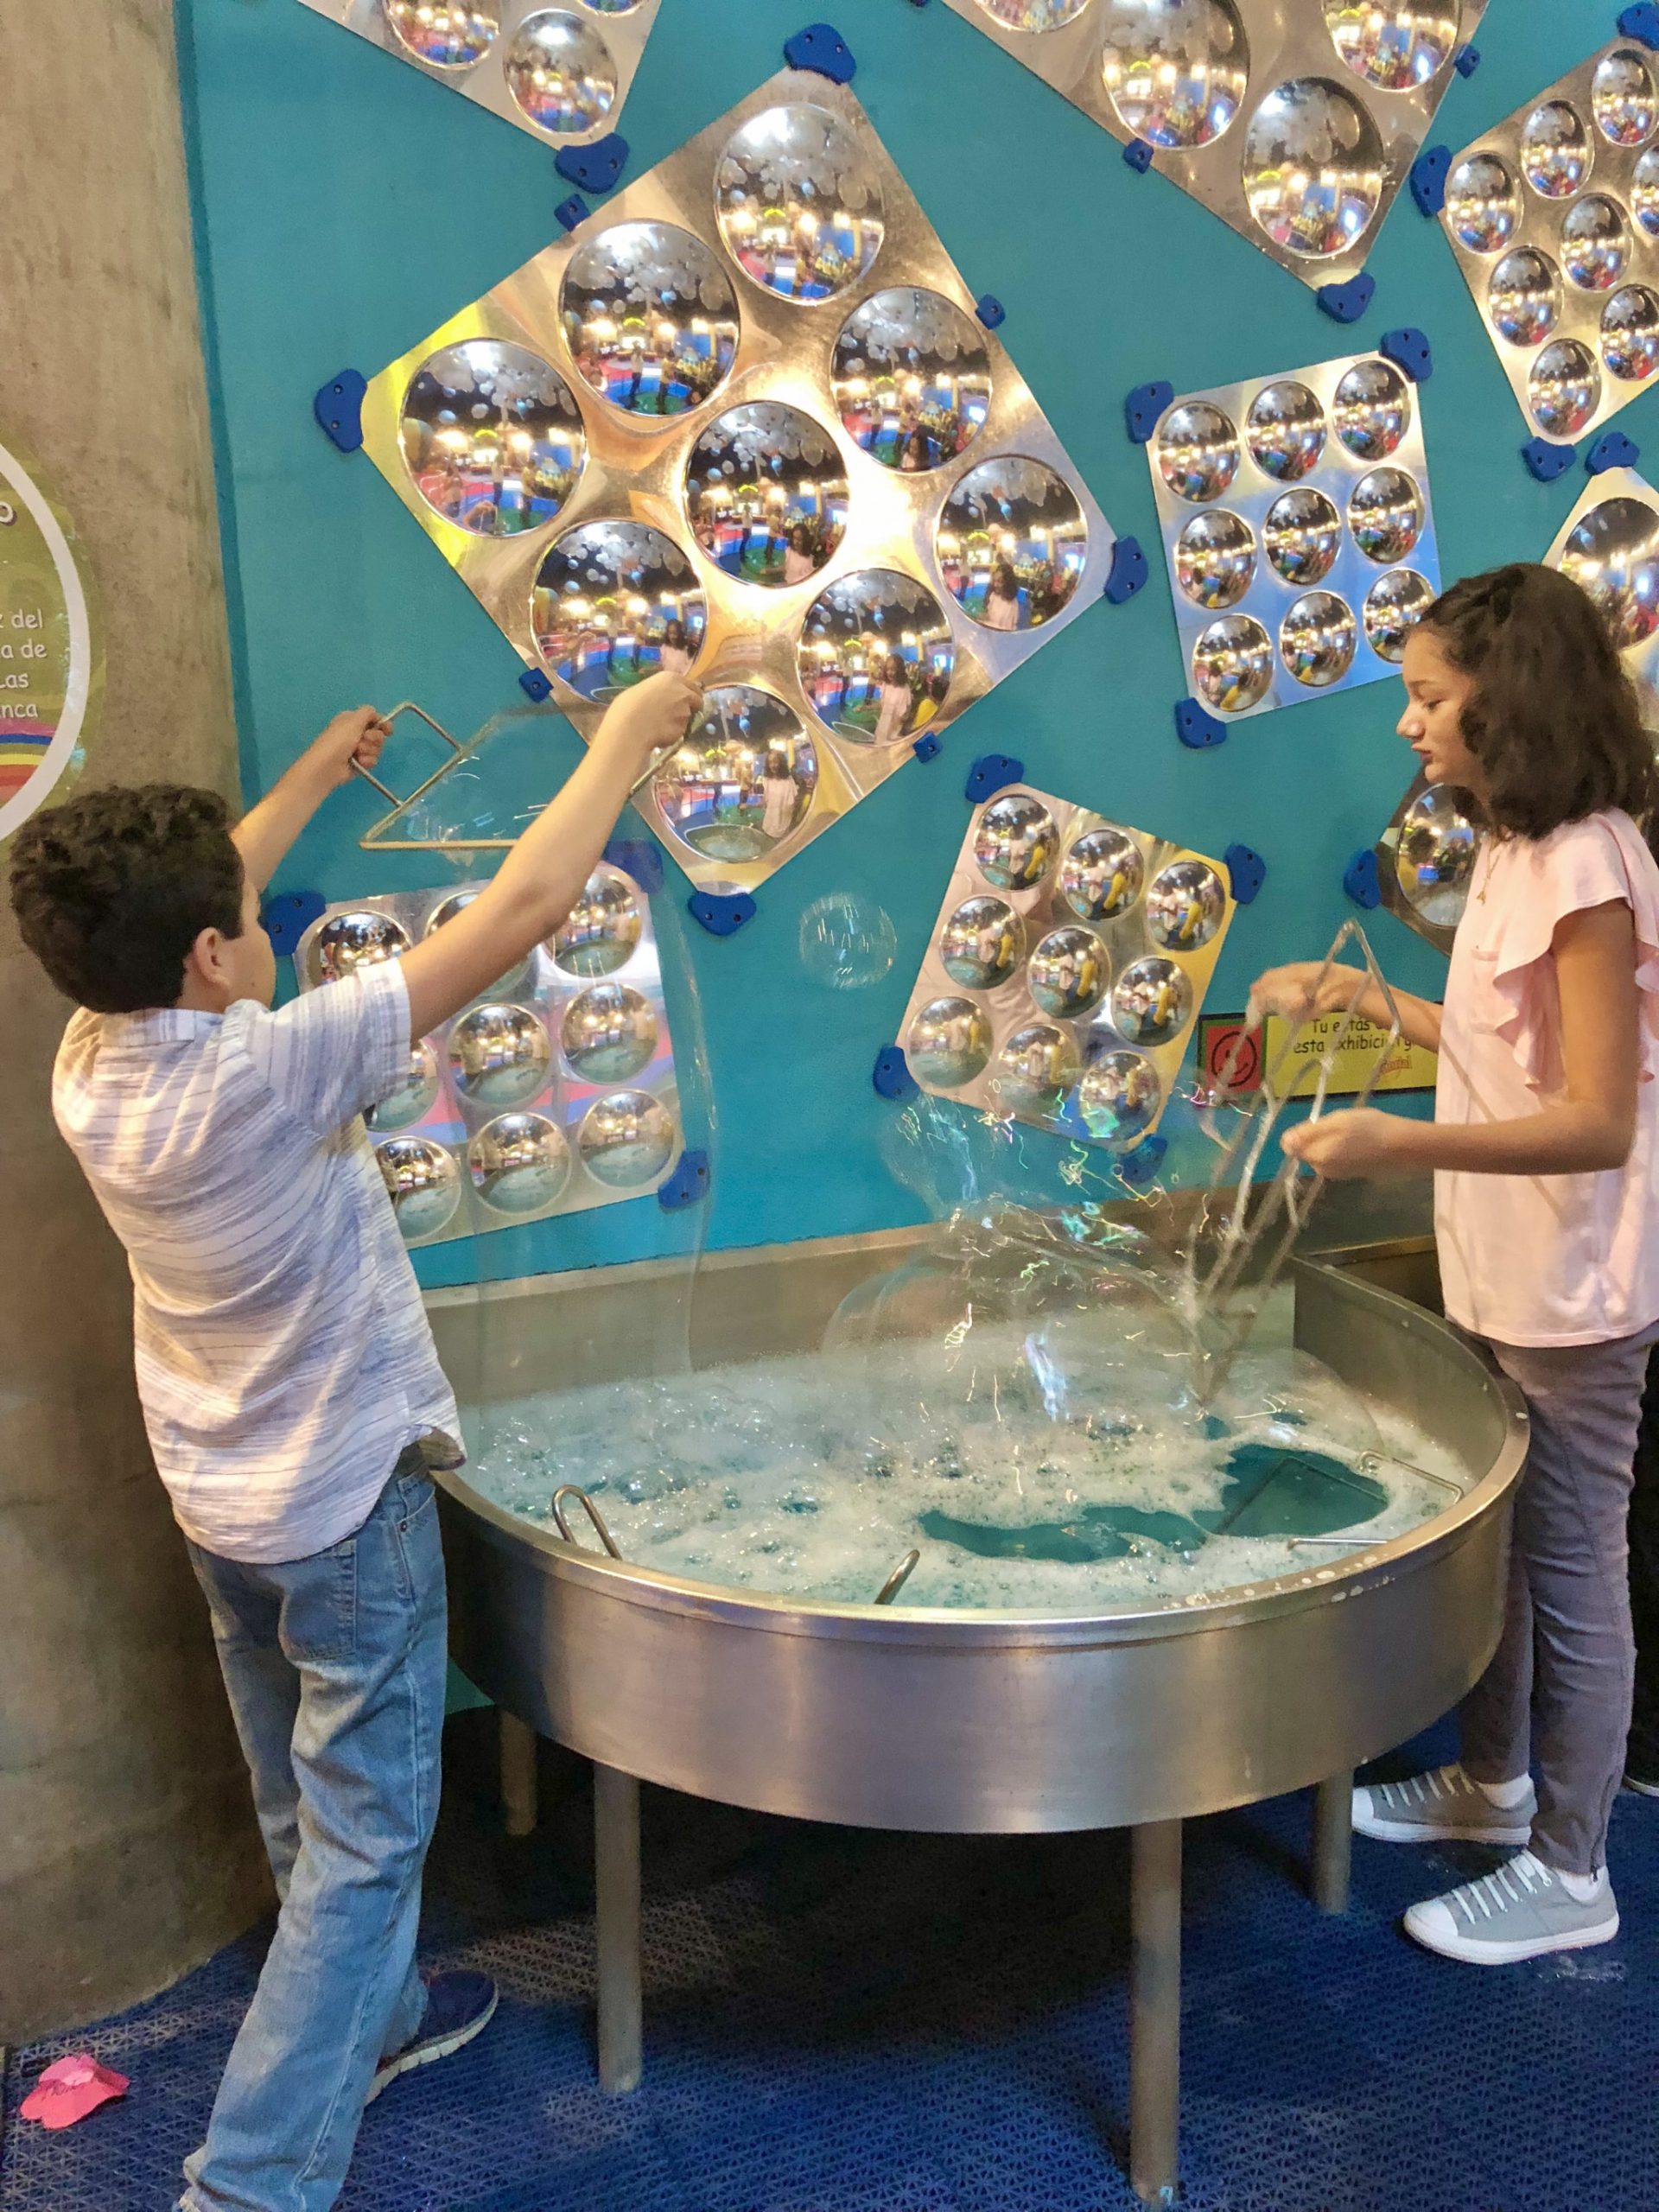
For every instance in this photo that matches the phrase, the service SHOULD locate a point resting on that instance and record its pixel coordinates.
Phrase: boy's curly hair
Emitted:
(1554, 723)
(111, 889)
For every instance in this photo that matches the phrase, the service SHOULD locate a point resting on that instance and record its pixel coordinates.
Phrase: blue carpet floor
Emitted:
(841, 2021)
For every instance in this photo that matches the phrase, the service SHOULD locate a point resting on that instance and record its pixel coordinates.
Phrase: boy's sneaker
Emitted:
(1645, 1785)
(1443, 1806)
(459, 2007)
(1521, 1912)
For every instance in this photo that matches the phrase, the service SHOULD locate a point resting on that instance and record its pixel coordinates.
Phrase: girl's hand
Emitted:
(650, 717)
(1359, 1141)
(1304, 989)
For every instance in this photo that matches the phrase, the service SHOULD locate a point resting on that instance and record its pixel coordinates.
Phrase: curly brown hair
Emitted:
(111, 889)
(1554, 720)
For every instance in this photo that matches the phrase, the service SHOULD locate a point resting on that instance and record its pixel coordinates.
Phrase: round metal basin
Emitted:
(909, 1718)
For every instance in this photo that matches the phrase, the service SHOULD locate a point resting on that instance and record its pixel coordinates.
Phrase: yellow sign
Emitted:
(1409, 1067)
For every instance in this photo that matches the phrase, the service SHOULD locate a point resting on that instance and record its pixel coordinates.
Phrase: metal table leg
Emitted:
(518, 1743)
(1333, 1842)
(1155, 2011)
(616, 1880)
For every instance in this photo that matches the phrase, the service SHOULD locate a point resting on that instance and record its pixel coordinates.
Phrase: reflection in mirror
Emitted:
(347, 941)
(627, 1140)
(1152, 1001)
(1555, 150)
(765, 493)
(424, 1184)
(1069, 972)
(912, 378)
(1313, 167)
(1198, 451)
(1119, 1097)
(1385, 513)
(1372, 409)
(492, 437)
(615, 602)
(876, 656)
(1645, 193)
(413, 1097)
(599, 933)
(609, 1033)
(1285, 428)
(520, 1164)
(1185, 906)
(1524, 296)
(444, 33)
(1622, 100)
(1012, 543)
(1016, 842)
(982, 943)
(798, 204)
(1613, 553)
(1595, 244)
(499, 1055)
(742, 780)
(560, 72)
(1174, 70)
(1629, 334)
(1317, 639)
(1035, 1069)
(949, 1043)
(1395, 46)
(650, 317)
(1434, 860)
(1303, 536)
(1395, 605)
(1102, 875)
(1232, 664)
(1034, 15)
(1215, 558)
(1483, 203)
(1564, 389)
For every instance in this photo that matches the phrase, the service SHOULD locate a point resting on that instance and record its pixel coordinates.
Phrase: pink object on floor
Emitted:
(70, 2088)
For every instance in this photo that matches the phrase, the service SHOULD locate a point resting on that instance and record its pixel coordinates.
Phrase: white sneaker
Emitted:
(1443, 1806)
(1521, 1912)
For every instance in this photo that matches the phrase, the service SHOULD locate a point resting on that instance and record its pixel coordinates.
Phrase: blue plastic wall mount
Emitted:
(1408, 349)
(890, 1075)
(537, 683)
(1547, 461)
(1466, 60)
(990, 773)
(289, 915)
(722, 914)
(1347, 302)
(339, 409)
(689, 1183)
(572, 211)
(638, 858)
(1138, 156)
(928, 746)
(1129, 571)
(1642, 21)
(1360, 881)
(1612, 449)
(1142, 408)
(990, 310)
(821, 47)
(1197, 727)
(1428, 174)
(1138, 1166)
(1247, 870)
(597, 168)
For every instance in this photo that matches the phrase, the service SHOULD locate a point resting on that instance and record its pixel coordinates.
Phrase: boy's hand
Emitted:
(650, 717)
(351, 740)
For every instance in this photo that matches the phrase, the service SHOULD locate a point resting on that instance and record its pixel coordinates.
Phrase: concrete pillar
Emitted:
(127, 1848)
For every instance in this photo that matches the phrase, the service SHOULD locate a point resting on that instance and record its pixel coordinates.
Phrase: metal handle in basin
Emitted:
(896, 1581)
(576, 1491)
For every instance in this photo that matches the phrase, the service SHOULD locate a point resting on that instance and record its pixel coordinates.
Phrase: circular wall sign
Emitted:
(46, 650)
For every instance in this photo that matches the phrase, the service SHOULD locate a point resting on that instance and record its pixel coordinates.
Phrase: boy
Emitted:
(289, 1380)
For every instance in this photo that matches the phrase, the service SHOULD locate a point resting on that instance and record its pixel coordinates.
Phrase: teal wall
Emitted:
(347, 205)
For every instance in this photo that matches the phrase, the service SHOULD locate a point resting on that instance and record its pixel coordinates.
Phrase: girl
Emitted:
(894, 700)
(1003, 599)
(1545, 1147)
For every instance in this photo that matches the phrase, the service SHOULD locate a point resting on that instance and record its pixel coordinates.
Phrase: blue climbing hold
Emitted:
(637, 857)
(1410, 351)
(339, 408)
(1466, 60)
(534, 682)
(821, 47)
(1129, 571)
(891, 1075)
(1347, 302)
(990, 311)
(289, 915)
(1143, 407)
(689, 1182)
(928, 746)
(1612, 449)
(1246, 870)
(1547, 461)
(1642, 21)
(1140, 1165)
(722, 915)
(597, 168)
(990, 773)
(1197, 727)
(1138, 156)
(1428, 174)
(1360, 880)
(570, 212)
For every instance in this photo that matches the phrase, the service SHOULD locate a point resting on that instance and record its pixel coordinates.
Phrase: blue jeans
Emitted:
(336, 1667)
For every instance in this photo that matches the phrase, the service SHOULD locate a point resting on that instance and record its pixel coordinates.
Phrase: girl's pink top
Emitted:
(1545, 1259)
